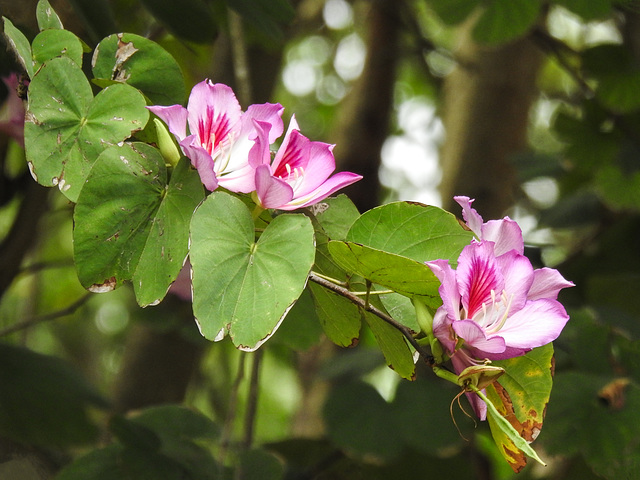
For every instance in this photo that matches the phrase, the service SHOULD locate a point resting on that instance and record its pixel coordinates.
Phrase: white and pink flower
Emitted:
(495, 305)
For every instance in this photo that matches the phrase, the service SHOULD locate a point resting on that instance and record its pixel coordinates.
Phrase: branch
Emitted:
(44, 318)
(378, 313)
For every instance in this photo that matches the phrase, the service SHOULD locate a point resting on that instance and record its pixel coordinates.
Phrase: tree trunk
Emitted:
(487, 99)
(364, 118)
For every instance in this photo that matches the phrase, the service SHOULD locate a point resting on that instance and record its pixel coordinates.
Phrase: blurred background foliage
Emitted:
(532, 108)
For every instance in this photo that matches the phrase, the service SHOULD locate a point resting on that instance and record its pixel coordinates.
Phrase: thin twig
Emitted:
(227, 431)
(29, 322)
(378, 313)
(252, 400)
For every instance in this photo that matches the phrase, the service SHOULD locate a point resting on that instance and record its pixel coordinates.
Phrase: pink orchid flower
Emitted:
(299, 175)
(495, 305)
(220, 135)
(12, 111)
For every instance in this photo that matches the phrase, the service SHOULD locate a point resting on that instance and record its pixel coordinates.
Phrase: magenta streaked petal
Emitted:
(478, 275)
(448, 287)
(272, 192)
(547, 283)
(505, 233)
(201, 160)
(470, 216)
(474, 337)
(333, 184)
(518, 277)
(293, 155)
(213, 110)
(175, 117)
(537, 323)
(270, 113)
(293, 127)
(320, 165)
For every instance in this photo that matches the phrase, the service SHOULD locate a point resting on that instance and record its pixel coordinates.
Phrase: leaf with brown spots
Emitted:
(521, 396)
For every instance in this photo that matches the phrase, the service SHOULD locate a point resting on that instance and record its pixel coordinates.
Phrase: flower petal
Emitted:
(547, 283)
(284, 146)
(518, 277)
(537, 323)
(471, 217)
(214, 112)
(448, 287)
(478, 276)
(320, 165)
(475, 337)
(175, 117)
(333, 184)
(270, 113)
(272, 192)
(505, 233)
(201, 160)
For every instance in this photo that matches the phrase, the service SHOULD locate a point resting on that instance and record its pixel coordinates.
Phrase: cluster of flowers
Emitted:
(495, 305)
(231, 149)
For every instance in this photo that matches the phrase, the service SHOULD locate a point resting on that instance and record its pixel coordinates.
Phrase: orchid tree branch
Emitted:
(365, 305)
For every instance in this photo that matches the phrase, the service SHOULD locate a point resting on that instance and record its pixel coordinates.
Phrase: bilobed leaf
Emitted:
(401, 274)
(241, 286)
(416, 231)
(20, 45)
(131, 225)
(505, 20)
(51, 43)
(141, 63)
(340, 319)
(47, 17)
(66, 129)
(521, 395)
(336, 215)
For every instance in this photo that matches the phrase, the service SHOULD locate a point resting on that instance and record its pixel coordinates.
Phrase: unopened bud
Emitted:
(167, 146)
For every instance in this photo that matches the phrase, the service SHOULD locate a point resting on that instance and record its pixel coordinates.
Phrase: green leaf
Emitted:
(340, 319)
(521, 396)
(512, 446)
(50, 44)
(336, 215)
(454, 11)
(47, 17)
(66, 128)
(20, 45)
(398, 273)
(413, 230)
(164, 443)
(504, 20)
(266, 15)
(589, 11)
(354, 414)
(242, 286)
(302, 330)
(391, 341)
(131, 224)
(188, 19)
(141, 63)
(43, 400)
(598, 417)
(258, 464)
